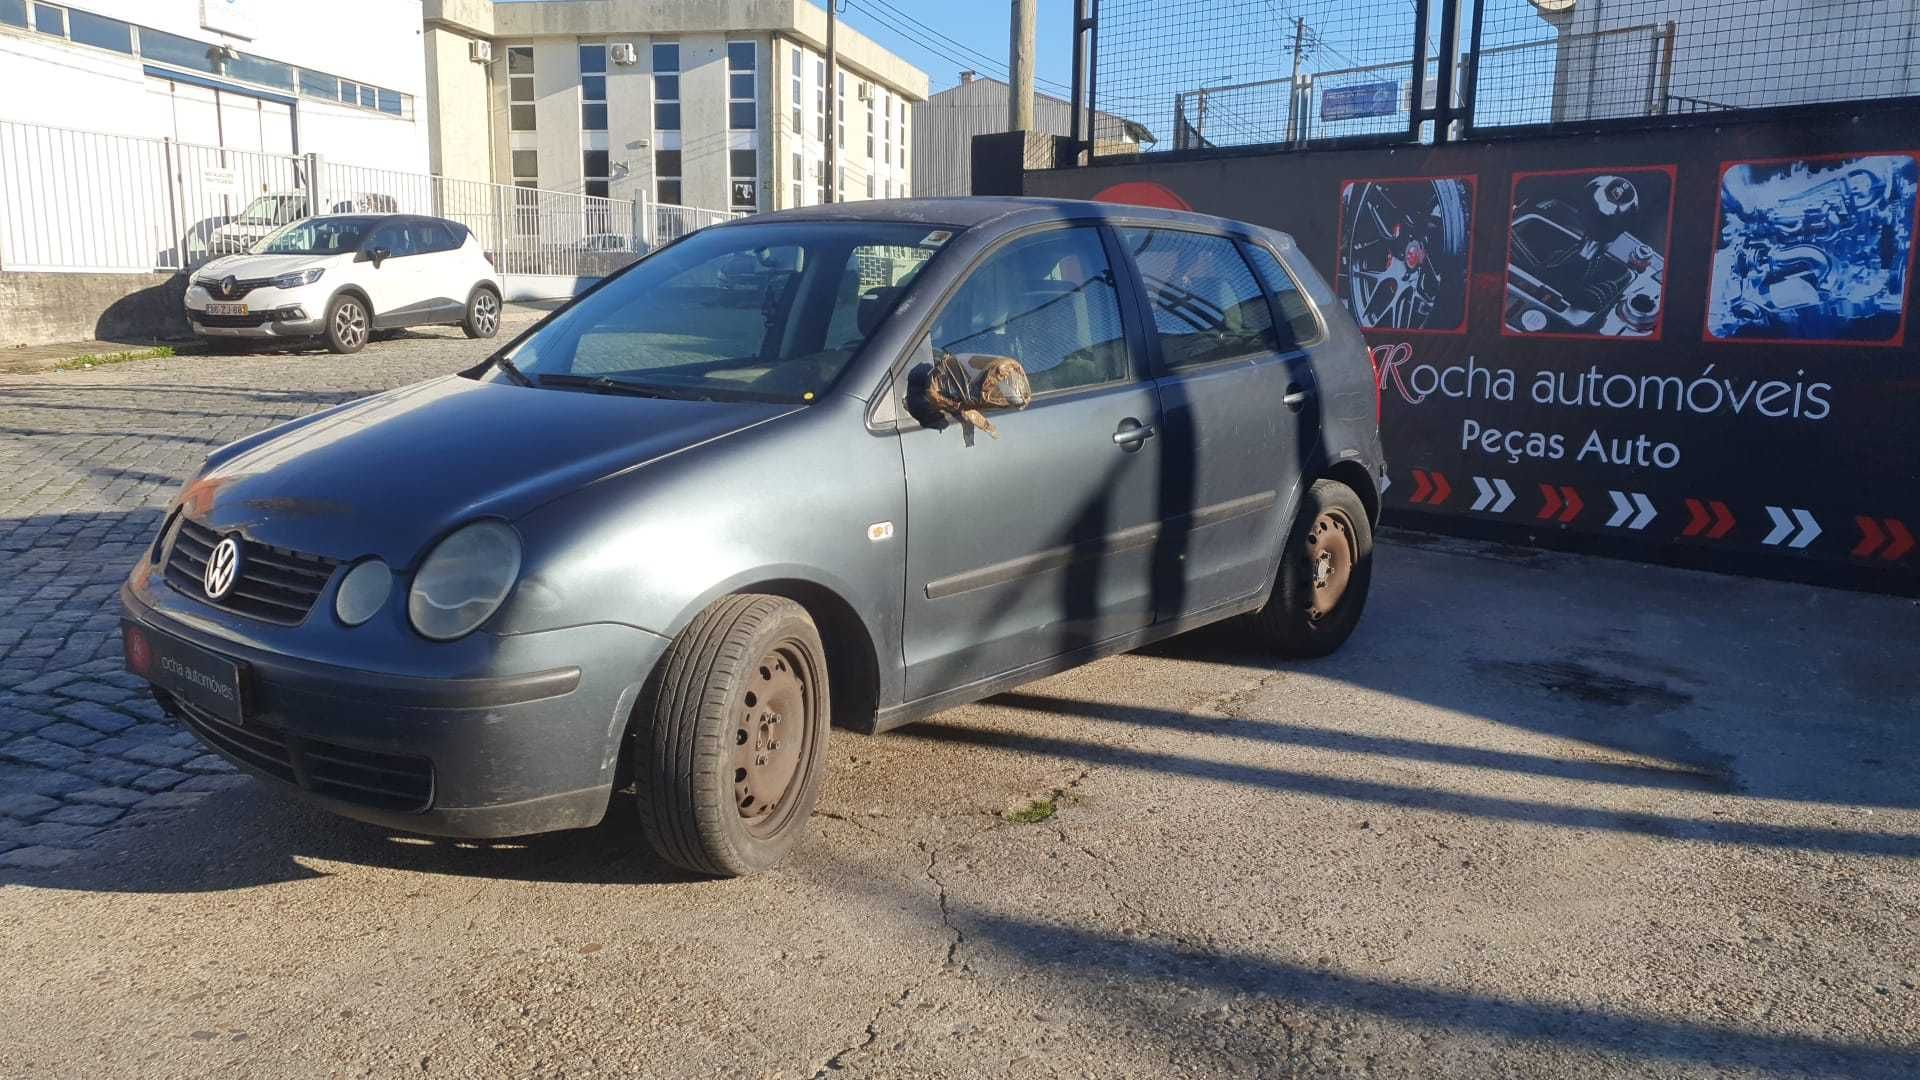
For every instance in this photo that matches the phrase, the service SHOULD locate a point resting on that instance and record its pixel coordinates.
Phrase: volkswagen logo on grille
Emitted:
(223, 568)
(229, 285)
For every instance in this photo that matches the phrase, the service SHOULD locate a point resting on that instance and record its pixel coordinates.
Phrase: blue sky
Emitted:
(950, 36)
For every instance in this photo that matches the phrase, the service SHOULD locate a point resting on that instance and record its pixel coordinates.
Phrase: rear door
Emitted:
(1235, 388)
(1037, 539)
(443, 275)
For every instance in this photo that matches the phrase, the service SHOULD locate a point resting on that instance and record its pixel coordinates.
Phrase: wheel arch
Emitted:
(1354, 475)
(354, 291)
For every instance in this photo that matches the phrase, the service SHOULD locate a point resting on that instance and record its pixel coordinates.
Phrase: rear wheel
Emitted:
(348, 325)
(483, 313)
(1324, 575)
(730, 745)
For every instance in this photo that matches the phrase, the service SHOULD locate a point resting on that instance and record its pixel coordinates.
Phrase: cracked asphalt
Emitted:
(1544, 817)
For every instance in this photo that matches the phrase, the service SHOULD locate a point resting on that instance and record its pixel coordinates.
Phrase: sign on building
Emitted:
(1360, 100)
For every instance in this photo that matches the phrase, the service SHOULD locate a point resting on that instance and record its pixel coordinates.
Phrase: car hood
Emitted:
(390, 474)
(260, 266)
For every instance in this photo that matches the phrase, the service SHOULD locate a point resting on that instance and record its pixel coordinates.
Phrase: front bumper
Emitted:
(271, 313)
(478, 757)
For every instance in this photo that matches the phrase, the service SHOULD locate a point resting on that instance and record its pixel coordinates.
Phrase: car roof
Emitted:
(1001, 211)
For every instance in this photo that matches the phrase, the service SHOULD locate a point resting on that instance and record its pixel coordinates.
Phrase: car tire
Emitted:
(348, 324)
(483, 313)
(730, 742)
(1321, 586)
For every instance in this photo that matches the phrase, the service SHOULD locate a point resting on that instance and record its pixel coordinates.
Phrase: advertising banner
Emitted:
(1690, 346)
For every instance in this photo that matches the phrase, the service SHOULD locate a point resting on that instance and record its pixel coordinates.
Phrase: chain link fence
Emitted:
(1231, 73)
(85, 202)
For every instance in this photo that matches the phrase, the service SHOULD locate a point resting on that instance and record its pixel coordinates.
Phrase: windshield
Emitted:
(316, 236)
(273, 210)
(767, 312)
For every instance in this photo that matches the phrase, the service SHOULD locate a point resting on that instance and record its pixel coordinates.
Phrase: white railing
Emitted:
(78, 201)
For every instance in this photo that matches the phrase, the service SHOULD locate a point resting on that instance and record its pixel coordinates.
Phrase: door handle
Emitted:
(1131, 433)
(1296, 397)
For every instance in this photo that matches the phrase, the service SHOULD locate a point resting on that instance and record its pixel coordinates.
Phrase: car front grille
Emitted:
(363, 777)
(240, 288)
(274, 584)
(234, 322)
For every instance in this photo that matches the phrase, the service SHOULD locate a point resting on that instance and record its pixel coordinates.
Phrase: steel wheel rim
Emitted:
(1330, 548)
(773, 737)
(350, 324)
(486, 312)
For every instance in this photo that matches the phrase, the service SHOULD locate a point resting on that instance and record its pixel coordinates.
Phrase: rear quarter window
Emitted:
(1295, 313)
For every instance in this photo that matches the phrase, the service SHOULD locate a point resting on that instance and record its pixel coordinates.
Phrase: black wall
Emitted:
(1773, 390)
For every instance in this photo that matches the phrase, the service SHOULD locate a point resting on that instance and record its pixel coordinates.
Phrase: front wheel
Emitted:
(483, 313)
(730, 743)
(348, 325)
(1324, 574)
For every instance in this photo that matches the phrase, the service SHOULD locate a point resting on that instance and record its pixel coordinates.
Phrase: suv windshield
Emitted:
(317, 236)
(768, 312)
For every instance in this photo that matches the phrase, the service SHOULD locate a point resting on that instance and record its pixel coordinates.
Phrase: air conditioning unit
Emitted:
(864, 92)
(480, 52)
(623, 53)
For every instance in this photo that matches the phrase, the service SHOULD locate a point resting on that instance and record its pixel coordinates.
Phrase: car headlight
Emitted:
(464, 580)
(298, 278)
(362, 592)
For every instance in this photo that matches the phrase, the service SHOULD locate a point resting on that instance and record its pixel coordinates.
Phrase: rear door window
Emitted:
(1298, 325)
(1206, 304)
(1047, 300)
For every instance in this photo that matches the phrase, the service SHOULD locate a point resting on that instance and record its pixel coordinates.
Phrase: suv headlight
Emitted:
(464, 580)
(298, 278)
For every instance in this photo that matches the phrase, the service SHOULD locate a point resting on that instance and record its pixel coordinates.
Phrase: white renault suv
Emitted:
(341, 278)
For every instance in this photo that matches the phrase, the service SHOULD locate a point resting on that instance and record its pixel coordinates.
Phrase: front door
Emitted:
(1039, 538)
(1236, 393)
(394, 286)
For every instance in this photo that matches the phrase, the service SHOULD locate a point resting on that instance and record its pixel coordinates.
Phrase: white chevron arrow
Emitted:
(1622, 509)
(1783, 526)
(1631, 505)
(1487, 500)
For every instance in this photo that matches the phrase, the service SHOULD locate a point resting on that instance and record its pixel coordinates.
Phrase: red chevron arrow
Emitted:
(1441, 489)
(1574, 505)
(1421, 485)
(1696, 518)
(1724, 520)
(1902, 540)
(1870, 537)
(1552, 504)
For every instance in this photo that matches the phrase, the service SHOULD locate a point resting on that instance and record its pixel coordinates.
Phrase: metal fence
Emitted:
(77, 201)
(1227, 73)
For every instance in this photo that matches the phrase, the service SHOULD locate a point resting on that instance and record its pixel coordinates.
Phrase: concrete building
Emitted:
(944, 126)
(719, 105)
(344, 80)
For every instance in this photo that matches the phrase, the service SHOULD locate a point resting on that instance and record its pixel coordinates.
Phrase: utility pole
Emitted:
(1020, 67)
(1293, 92)
(833, 104)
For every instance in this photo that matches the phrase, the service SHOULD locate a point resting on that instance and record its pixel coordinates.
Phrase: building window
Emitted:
(254, 69)
(820, 104)
(14, 13)
(743, 167)
(520, 108)
(319, 84)
(593, 87)
(526, 166)
(595, 167)
(87, 28)
(177, 51)
(840, 112)
(743, 112)
(666, 92)
(903, 134)
(873, 102)
(886, 129)
(50, 20)
(666, 176)
(799, 175)
(799, 93)
(869, 185)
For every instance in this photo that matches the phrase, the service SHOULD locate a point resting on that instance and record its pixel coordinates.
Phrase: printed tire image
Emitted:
(730, 743)
(1403, 255)
(1321, 588)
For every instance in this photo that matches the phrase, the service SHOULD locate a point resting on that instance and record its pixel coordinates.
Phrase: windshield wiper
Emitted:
(507, 366)
(606, 384)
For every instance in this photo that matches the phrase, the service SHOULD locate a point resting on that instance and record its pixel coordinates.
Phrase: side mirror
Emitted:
(964, 387)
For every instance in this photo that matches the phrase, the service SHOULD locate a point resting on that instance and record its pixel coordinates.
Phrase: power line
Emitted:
(970, 59)
(957, 44)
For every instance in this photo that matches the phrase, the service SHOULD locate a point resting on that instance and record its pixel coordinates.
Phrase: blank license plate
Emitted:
(207, 681)
(226, 309)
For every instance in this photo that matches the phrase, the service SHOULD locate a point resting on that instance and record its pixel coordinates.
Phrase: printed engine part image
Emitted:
(1815, 250)
(1587, 253)
(1404, 251)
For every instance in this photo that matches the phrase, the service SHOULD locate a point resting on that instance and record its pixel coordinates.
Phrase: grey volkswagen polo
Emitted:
(850, 464)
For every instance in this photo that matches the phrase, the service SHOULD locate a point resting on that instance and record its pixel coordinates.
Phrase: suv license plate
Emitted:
(226, 309)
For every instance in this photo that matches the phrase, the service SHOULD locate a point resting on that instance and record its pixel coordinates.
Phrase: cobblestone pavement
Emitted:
(88, 463)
